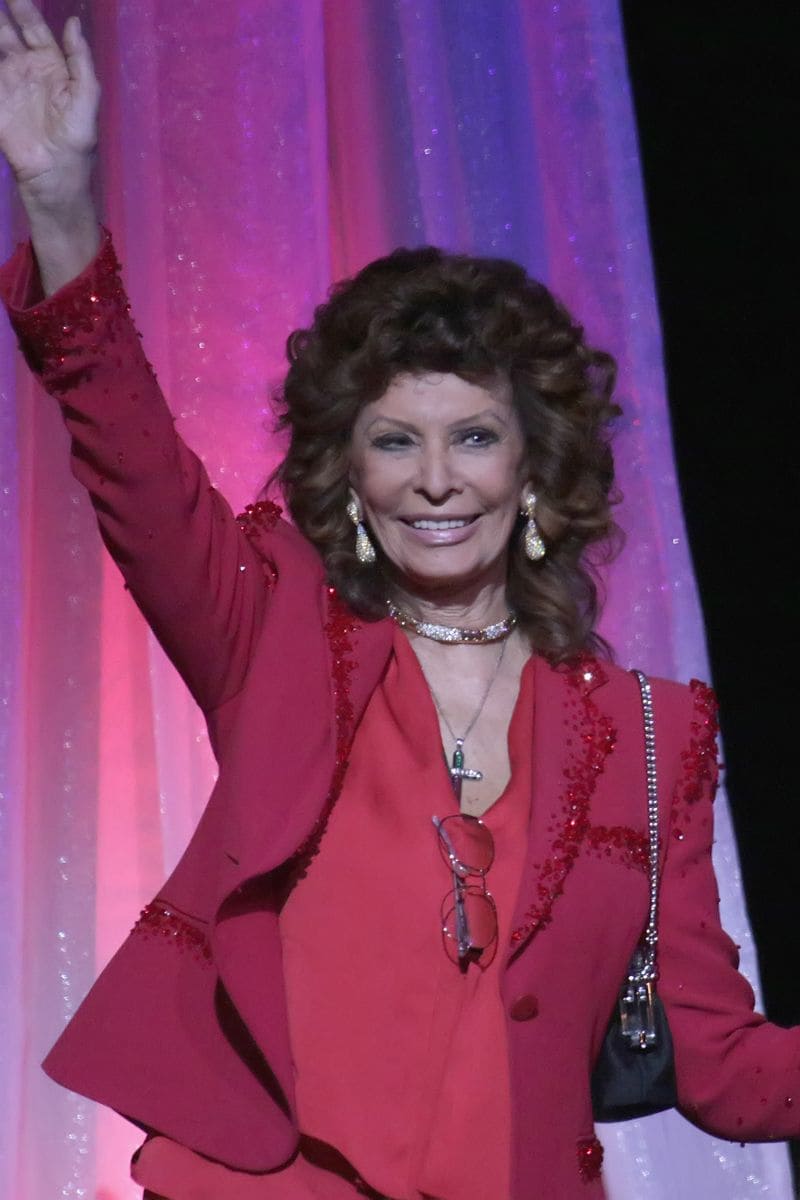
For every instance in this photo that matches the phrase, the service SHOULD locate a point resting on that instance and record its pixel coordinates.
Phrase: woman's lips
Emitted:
(447, 531)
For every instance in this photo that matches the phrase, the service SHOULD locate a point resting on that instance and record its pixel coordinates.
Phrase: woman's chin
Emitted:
(452, 580)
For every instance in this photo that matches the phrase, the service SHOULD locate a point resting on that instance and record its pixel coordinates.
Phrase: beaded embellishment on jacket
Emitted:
(51, 334)
(621, 843)
(160, 920)
(590, 1158)
(597, 736)
(339, 627)
(699, 759)
(264, 514)
(258, 517)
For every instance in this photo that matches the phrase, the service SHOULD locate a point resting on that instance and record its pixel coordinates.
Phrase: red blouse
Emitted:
(426, 1113)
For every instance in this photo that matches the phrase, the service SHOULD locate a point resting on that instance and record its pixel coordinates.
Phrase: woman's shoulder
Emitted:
(682, 702)
(693, 699)
(685, 714)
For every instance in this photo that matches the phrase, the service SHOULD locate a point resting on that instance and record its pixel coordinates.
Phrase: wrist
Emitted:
(64, 242)
(74, 222)
(59, 197)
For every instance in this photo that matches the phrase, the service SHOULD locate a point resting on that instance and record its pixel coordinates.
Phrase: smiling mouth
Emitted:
(450, 523)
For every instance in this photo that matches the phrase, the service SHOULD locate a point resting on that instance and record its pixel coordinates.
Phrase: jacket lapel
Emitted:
(309, 702)
(247, 914)
(572, 738)
(358, 653)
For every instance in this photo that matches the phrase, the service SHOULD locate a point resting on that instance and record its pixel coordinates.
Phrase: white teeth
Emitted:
(440, 524)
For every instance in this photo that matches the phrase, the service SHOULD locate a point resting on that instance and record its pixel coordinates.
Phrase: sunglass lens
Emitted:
(471, 841)
(481, 920)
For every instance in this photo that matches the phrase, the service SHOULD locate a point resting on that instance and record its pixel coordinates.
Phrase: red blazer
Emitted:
(185, 1031)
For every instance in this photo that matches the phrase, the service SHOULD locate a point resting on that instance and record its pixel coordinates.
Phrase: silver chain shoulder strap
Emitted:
(649, 969)
(638, 992)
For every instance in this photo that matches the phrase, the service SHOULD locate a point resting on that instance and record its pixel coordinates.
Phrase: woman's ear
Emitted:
(354, 509)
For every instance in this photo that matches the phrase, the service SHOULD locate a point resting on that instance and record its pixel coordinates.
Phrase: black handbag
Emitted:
(634, 1075)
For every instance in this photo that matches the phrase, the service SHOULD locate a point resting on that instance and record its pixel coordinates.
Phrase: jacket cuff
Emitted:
(52, 329)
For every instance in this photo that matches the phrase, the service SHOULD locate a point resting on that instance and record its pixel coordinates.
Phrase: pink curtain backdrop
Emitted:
(253, 151)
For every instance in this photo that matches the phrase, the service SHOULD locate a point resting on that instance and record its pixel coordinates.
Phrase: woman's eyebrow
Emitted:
(480, 416)
(391, 421)
(410, 428)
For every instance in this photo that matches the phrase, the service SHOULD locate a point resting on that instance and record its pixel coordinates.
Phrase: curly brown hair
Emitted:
(425, 310)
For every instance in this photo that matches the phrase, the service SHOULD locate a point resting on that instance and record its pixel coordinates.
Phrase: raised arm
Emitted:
(193, 572)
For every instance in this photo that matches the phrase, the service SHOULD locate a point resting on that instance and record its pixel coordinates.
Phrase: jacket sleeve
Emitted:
(738, 1074)
(189, 564)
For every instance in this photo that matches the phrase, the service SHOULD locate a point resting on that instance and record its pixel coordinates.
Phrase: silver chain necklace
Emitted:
(458, 771)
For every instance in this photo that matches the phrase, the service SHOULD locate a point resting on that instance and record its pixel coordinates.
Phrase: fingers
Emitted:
(79, 56)
(10, 41)
(34, 30)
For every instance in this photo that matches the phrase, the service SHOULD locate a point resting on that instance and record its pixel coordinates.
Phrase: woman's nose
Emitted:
(438, 476)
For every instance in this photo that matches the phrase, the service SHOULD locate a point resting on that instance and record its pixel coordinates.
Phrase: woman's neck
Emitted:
(467, 607)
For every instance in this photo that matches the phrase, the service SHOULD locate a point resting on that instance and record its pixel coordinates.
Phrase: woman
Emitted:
(350, 984)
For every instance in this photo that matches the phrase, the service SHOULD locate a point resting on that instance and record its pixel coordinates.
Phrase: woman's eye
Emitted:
(392, 441)
(477, 437)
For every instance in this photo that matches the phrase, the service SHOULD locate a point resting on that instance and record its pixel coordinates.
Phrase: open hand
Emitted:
(48, 103)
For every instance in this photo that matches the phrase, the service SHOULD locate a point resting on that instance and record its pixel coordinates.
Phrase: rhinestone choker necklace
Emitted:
(454, 634)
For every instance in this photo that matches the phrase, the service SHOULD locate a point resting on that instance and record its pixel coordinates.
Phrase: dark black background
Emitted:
(715, 96)
(716, 103)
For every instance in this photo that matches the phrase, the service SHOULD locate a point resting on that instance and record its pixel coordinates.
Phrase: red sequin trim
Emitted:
(630, 848)
(262, 516)
(590, 1158)
(699, 759)
(339, 627)
(60, 329)
(597, 737)
(159, 920)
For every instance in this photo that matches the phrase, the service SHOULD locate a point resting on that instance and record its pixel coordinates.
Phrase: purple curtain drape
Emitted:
(253, 151)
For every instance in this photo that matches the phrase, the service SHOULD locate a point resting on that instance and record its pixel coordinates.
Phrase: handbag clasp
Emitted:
(636, 1014)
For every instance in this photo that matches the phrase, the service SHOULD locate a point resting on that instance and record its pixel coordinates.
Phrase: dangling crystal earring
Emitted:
(365, 551)
(534, 546)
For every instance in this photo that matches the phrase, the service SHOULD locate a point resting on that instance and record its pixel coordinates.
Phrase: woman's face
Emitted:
(439, 467)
